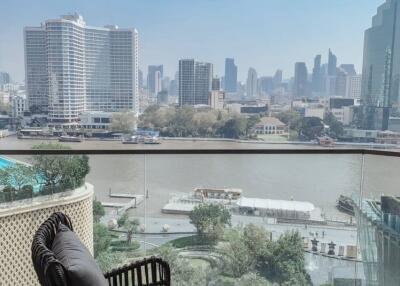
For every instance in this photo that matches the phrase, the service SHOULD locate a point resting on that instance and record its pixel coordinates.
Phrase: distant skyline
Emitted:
(264, 34)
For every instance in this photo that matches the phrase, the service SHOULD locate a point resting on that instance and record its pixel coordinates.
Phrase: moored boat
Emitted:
(345, 204)
(69, 139)
(151, 140)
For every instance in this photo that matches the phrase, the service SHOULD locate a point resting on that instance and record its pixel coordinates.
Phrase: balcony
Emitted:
(294, 216)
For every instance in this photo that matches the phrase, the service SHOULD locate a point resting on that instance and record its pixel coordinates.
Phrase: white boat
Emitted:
(131, 140)
(151, 140)
(184, 203)
(69, 139)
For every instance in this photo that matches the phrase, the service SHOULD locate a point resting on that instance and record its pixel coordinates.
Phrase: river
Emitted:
(319, 179)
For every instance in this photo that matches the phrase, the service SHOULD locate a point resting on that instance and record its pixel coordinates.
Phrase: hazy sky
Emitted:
(264, 34)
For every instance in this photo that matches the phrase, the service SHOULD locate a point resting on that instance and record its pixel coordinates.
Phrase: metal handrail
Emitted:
(391, 153)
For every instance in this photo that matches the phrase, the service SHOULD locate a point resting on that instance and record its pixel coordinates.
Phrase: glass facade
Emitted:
(381, 66)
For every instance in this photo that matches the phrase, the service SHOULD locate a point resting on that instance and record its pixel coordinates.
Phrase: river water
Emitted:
(319, 179)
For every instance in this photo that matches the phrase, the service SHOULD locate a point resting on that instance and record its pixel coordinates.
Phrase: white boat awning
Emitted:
(267, 204)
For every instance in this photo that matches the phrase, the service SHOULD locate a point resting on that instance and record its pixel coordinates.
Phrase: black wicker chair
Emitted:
(150, 271)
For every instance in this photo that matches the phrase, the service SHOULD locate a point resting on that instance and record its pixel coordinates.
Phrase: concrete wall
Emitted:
(20, 220)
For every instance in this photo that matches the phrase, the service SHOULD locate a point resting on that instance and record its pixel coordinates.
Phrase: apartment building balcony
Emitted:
(280, 205)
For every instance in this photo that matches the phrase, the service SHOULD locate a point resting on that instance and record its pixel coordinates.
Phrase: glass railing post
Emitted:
(145, 203)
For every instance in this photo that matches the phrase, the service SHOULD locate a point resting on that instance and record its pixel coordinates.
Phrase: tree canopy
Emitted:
(335, 127)
(98, 210)
(187, 121)
(210, 220)
(311, 128)
(65, 171)
(124, 122)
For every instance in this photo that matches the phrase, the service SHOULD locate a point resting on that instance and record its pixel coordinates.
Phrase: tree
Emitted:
(256, 239)
(122, 219)
(65, 171)
(237, 259)
(182, 272)
(108, 260)
(131, 227)
(101, 239)
(123, 122)
(291, 119)
(98, 210)
(210, 219)
(251, 122)
(286, 264)
(335, 127)
(311, 128)
(234, 127)
(252, 279)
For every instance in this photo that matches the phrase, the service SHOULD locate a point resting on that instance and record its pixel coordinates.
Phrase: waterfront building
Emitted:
(252, 83)
(98, 71)
(300, 86)
(95, 120)
(194, 82)
(381, 67)
(270, 125)
(230, 79)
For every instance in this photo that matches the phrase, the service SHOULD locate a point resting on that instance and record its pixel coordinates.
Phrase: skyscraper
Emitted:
(194, 82)
(341, 82)
(332, 63)
(97, 71)
(278, 78)
(252, 83)
(216, 84)
(317, 75)
(140, 79)
(381, 66)
(300, 86)
(349, 69)
(353, 86)
(230, 75)
(154, 77)
(4, 78)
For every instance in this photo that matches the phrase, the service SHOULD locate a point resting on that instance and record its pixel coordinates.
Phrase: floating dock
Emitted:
(123, 195)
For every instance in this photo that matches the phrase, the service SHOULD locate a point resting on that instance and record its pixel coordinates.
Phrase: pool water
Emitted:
(4, 163)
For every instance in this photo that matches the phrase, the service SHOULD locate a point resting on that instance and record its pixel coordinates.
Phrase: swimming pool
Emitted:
(4, 163)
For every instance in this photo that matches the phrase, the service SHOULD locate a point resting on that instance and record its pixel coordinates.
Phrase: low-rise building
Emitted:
(270, 125)
(95, 120)
(314, 112)
(19, 105)
(216, 99)
(344, 115)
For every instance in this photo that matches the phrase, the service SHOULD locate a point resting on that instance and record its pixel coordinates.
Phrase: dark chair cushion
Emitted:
(81, 269)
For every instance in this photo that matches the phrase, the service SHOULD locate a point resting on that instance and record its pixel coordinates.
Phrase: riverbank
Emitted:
(180, 143)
